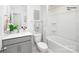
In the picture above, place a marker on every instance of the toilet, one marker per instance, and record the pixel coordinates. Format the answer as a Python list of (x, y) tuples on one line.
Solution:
[(42, 46)]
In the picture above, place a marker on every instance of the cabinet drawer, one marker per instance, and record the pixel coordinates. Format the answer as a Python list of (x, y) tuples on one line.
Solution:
[(16, 40), (25, 47)]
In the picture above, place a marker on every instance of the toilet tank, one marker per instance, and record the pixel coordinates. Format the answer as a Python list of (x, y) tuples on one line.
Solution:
[(37, 37)]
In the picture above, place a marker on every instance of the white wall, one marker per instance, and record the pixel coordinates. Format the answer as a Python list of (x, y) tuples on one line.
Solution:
[(2, 10), (0, 27)]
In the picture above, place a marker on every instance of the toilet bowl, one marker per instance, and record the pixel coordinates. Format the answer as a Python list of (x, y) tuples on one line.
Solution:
[(42, 46)]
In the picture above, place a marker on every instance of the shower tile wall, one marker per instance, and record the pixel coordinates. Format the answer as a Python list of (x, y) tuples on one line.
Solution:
[(63, 29)]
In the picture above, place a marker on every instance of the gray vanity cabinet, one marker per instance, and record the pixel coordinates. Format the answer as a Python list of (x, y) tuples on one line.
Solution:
[(18, 45)]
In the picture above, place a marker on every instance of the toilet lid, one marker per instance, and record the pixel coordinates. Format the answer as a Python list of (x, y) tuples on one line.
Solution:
[(42, 45)]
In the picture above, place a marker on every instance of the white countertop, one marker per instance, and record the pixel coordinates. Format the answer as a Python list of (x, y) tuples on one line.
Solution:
[(15, 35)]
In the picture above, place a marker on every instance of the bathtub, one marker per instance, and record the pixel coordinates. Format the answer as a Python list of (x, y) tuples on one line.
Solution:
[(58, 44)]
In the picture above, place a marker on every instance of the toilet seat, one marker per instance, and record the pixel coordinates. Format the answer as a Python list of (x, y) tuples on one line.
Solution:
[(42, 46)]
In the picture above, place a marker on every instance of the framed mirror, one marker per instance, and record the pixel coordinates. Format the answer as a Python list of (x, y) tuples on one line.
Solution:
[(16, 15)]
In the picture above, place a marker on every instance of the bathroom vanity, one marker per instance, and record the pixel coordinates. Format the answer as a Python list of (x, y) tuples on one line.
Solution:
[(17, 43), (11, 41)]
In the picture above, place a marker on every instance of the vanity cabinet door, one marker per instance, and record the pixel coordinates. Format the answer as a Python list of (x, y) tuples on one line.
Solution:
[(10, 49), (25, 47)]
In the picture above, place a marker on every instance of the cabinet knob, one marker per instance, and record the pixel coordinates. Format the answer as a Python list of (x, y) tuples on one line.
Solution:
[(4, 48)]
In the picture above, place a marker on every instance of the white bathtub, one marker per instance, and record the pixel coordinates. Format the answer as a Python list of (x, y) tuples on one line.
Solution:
[(59, 45)]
